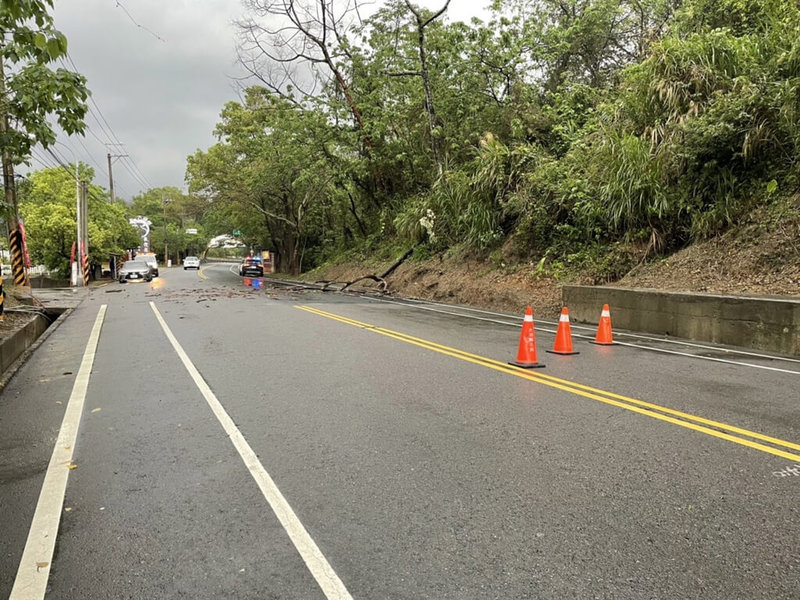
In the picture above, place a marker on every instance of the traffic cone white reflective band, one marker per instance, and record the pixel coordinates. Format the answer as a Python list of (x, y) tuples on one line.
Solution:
[(604, 336), (526, 355), (563, 343)]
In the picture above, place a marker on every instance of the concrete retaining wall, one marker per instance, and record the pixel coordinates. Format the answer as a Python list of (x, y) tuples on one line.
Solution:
[(22, 339), (771, 324), (46, 282)]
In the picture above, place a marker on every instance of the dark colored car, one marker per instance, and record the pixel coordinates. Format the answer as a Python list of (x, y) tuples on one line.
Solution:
[(251, 267), (136, 270)]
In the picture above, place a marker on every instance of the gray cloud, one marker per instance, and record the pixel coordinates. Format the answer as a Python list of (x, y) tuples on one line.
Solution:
[(162, 97)]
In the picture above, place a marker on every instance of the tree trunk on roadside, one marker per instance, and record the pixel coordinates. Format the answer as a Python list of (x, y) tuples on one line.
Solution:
[(8, 163), (426, 78)]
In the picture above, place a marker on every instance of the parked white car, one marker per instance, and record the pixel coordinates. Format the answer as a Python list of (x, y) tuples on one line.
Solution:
[(191, 262)]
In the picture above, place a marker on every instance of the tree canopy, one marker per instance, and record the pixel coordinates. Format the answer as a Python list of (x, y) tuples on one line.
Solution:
[(31, 91), (48, 206), (556, 132)]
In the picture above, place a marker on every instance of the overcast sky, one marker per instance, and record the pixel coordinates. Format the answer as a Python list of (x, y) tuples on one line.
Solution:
[(160, 72)]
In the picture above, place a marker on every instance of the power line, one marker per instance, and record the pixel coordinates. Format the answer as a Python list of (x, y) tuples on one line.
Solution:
[(106, 144), (135, 176), (91, 158), (52, 153), (109, 133), (125, 10), (45, 161), (63, 165)]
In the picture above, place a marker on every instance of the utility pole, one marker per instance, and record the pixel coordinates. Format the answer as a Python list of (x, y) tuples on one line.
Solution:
[(77, 266), (110, 173), (83, 234), (110, 179), (164, 205), (85, 215)]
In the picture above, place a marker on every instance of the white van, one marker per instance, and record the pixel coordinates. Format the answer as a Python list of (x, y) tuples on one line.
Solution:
[(150, 259)]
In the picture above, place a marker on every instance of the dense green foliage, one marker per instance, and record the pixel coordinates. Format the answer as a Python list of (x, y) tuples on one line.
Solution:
[(172, 213), (33, 92), (48, 206), (560, 130)]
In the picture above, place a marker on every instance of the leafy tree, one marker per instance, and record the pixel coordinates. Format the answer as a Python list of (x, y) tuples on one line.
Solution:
[(274, 164), (567, 126), (170, 210), (30, 90), (48, 206)]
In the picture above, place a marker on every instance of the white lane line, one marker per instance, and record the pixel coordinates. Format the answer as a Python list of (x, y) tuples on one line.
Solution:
[(320, 568), (414, 302), (617, 342), (34, 567), (735, 363), (426, 304)]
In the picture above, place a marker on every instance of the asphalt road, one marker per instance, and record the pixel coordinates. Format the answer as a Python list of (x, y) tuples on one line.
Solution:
[(282, 443)]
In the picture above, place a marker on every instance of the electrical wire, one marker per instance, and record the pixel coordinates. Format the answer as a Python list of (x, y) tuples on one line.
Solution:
[(125, 10), (113, 140), (43, 160), (64, 166)]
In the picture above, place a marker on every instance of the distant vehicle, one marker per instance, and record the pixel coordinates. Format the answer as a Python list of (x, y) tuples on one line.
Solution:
[(251, 267), (150, 259), (191, 262), (136, 270)]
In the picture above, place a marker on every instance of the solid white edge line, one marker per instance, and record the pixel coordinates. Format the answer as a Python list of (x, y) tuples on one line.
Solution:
[(317, 564), (426, 304), (37, 557), (735, 363), (619, 343), (679, 342)]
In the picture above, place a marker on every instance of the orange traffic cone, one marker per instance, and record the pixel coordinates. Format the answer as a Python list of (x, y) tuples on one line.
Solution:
[(526, 355), (604, 336), (563, 343)]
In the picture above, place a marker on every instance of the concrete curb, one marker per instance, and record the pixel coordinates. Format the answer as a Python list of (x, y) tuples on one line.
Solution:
[(15, 350), (760, 323)]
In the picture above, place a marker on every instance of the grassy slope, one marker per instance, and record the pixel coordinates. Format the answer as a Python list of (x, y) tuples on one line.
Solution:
[(761, 256)]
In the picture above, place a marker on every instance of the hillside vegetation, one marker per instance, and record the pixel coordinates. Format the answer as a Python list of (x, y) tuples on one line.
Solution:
[(567, 136), (558, 140), (761, 257)]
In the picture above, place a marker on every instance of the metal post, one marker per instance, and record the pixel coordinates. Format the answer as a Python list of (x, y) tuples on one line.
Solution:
[(110, 179), (73, 267), (83, 236), (164, 205)]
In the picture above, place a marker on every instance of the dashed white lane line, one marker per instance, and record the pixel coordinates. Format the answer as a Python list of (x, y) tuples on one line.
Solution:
[(320, 568), (37, 557)]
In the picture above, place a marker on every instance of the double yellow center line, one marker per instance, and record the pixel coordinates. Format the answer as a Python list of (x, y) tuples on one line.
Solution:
[(716, 429)]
